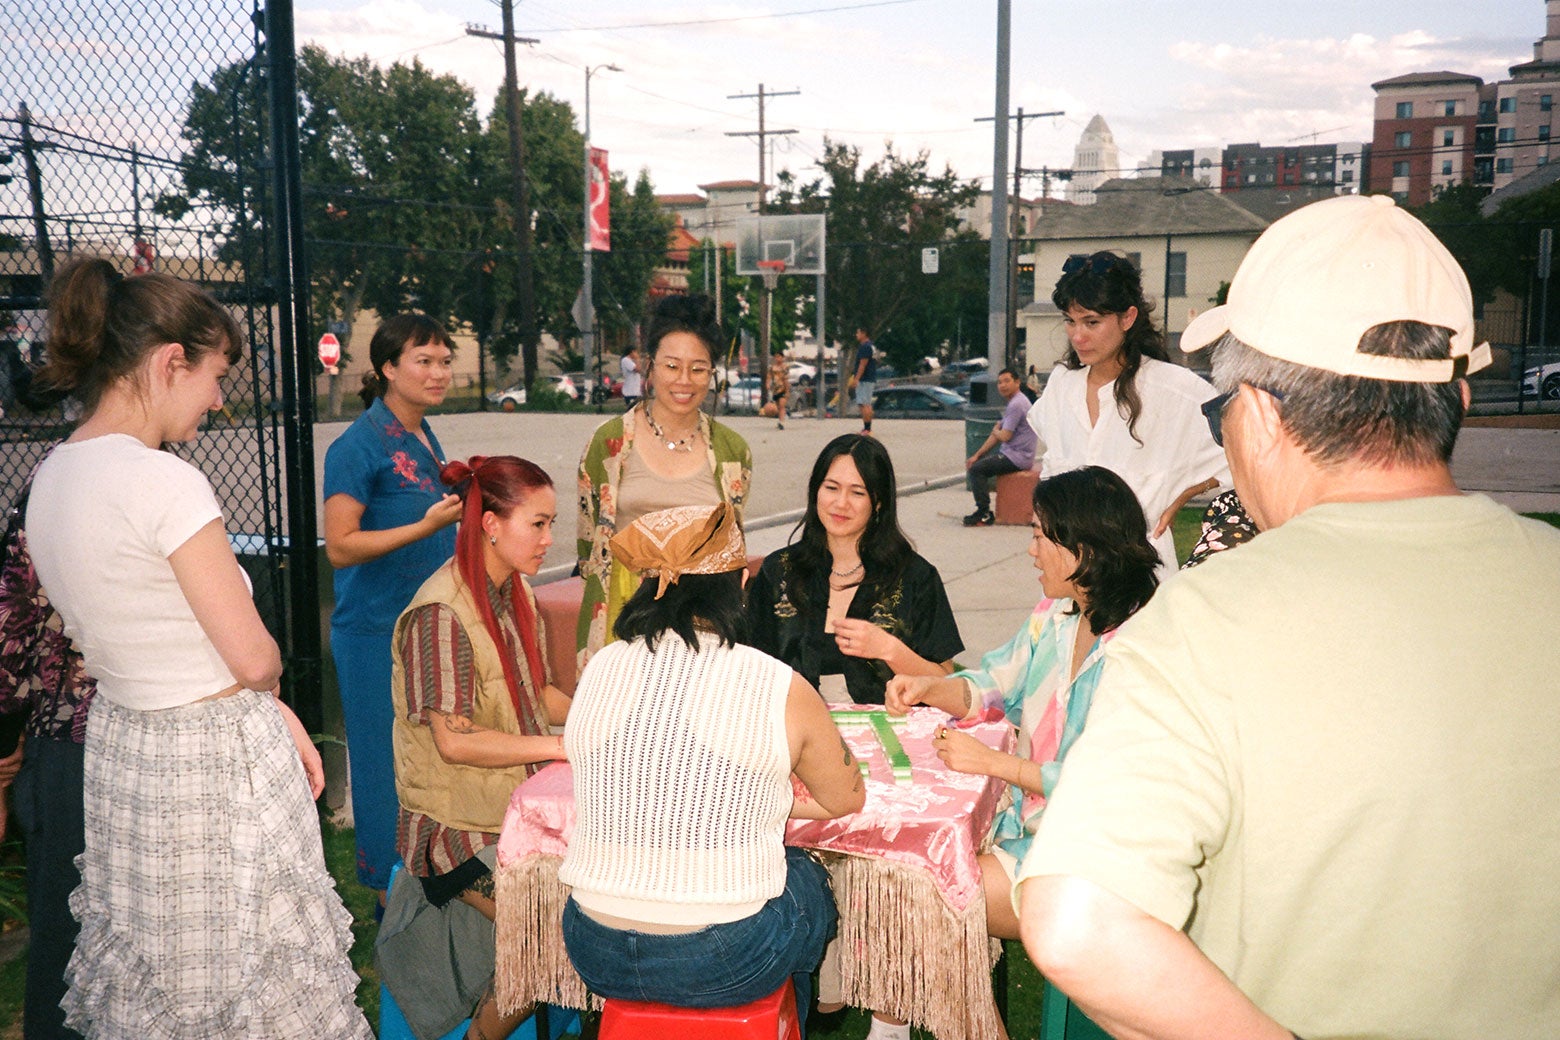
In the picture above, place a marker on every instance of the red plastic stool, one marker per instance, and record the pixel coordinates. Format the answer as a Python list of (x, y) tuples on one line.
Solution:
[(768, 1018)]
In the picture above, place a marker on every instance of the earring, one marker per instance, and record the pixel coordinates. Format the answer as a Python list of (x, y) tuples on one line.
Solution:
[(492, 539)]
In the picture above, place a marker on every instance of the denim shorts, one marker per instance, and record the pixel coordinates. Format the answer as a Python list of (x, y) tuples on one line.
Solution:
[(864, 392), (723, 965)]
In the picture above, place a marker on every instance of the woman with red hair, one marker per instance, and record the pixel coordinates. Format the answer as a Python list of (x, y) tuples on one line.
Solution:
[(474, 707)]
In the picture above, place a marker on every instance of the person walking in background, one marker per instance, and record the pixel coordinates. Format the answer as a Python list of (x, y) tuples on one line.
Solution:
[(1116, 400), (1316, 794), (778, 379), (863, 378), (661, 453), (633, 379), (205, 907), (388, 526), (1010, 448)]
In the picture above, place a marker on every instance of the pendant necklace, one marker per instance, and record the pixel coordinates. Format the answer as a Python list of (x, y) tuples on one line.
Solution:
[(684, 444)]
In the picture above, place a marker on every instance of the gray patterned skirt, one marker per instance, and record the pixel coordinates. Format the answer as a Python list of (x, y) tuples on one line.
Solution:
[(205, 907)]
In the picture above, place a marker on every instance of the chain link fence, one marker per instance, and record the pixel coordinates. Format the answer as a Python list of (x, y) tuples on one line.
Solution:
[(95, 162)]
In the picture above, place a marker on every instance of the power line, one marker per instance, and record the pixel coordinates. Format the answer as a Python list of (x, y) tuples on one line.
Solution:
[(733, 18)]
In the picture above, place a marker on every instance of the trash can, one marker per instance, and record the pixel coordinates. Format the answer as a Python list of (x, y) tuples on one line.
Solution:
[(982, 412)]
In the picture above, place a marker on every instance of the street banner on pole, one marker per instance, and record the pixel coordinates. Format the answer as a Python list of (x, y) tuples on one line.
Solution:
[(600, 194)]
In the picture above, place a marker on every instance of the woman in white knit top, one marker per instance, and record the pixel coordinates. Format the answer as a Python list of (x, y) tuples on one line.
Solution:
[(683, 745)]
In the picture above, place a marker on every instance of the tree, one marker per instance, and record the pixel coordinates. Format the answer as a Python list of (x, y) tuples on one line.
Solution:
[(641, 231), (880, 218), (406, 197), (387, 162), (1483, 251)]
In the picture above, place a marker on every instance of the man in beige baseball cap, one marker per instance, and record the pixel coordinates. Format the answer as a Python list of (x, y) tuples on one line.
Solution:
[(1315, 795)]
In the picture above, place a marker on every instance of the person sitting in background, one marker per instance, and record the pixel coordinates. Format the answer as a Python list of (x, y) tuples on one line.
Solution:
[(850, 603), (1009, 448), (473, 715), (683, 743), (1096, 567)]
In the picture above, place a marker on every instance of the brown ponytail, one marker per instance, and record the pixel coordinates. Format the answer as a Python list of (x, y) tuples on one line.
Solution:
[(102, 325)]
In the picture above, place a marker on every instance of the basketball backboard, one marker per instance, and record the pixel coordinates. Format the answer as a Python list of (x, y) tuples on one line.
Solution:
[(796, 238)]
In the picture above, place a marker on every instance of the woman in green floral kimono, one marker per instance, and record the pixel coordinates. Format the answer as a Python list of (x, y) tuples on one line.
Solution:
[(661, 453)]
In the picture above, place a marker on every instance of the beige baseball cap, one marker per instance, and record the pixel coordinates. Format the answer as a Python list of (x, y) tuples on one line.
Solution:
[(1318, 279)]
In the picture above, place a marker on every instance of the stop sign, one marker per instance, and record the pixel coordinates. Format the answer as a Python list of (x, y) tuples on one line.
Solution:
[(330, 350)]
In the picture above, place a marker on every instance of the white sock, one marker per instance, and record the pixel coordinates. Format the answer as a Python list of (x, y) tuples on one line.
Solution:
[(882, 1030)]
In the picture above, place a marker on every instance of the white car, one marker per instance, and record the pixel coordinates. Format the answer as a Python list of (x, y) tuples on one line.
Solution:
[(510, 398), (803, 373), (743, 395), (1542, 381)]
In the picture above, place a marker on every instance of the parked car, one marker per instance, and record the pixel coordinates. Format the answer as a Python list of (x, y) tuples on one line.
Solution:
[(1542, 381), (917, 402), (802, 373), (956, 372), (509, 398), (743, 395)]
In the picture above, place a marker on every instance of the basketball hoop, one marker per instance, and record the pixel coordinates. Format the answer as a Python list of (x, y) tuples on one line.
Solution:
[(771, 270)]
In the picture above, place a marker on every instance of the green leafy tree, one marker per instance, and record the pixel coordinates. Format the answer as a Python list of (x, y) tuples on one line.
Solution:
[(880, 218), (406, 197), (1482, 249), (641, 231)]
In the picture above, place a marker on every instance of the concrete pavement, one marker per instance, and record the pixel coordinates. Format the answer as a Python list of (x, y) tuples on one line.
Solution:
[(990, 579)]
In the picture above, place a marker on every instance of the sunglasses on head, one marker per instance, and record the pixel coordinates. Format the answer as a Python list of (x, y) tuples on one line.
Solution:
[(1099, 264), (1213, 410)]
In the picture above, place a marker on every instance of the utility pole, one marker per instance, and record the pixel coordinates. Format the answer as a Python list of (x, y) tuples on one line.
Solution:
[(30, 148), (761, 133), (996, 272), (766, 301), (520, 193), (1009, 335)]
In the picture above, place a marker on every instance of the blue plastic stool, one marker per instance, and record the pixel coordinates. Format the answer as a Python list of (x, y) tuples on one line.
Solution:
[(393, 1025)]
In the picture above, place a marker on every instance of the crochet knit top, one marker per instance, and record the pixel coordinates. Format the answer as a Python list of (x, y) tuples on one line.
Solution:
[(681, 781)]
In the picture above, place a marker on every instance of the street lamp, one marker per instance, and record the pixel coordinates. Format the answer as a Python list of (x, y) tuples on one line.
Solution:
[(588, 306)]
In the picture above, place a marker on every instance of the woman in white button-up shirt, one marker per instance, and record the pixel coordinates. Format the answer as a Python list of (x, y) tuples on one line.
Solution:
[(1117, 401)]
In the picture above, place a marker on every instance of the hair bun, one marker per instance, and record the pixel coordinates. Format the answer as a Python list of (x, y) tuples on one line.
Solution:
[(695, 309)]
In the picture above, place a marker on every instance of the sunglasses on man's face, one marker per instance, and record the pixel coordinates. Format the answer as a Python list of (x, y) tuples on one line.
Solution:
[(1213, 410), (1099, 264)]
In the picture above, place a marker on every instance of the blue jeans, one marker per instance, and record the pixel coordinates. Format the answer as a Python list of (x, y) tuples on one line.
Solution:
[(724, 965), (363, 675)]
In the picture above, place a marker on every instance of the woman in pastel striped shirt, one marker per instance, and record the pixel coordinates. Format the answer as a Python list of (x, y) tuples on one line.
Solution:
[(1096, 568)]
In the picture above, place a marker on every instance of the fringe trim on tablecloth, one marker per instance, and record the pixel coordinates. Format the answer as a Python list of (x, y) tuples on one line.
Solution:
[(531, 965), (901, 942)]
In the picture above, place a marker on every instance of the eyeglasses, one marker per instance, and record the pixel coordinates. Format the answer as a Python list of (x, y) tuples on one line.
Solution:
[(674, 369), (1213, 410), (1098, 264)]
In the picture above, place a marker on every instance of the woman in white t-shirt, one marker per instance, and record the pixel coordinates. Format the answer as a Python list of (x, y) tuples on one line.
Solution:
[(205, 907), (1117, 401)]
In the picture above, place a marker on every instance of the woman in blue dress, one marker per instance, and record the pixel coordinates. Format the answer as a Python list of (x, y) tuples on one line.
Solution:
[(388, 526)]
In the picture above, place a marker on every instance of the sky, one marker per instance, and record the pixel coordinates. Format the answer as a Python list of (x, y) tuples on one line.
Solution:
[(919, 73)]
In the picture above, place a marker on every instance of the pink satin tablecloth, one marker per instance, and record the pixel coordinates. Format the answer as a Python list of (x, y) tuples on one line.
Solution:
[(905, 879)]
